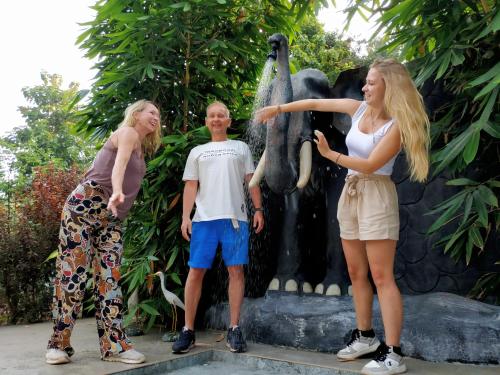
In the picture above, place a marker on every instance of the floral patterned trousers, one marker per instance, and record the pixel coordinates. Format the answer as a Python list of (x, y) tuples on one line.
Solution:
[(89, 237)]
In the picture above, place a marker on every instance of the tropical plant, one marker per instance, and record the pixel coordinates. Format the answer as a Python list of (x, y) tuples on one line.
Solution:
[(180, 54), (152, 234), (457, 43)]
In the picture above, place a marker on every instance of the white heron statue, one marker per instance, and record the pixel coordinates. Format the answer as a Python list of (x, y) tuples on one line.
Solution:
[(172, 299)]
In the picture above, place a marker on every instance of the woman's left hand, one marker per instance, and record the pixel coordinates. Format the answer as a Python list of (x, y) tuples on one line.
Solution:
[(322, 143), (115, 200)]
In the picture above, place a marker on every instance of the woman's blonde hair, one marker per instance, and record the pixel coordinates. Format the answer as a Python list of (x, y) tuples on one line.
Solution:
[(405, 105), (152, 141)]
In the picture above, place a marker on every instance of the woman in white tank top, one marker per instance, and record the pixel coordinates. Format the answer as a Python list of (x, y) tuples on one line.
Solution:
[(391, 117)]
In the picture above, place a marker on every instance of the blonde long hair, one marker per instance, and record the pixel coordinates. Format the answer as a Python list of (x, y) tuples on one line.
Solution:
[(152, 141), (405, 105)]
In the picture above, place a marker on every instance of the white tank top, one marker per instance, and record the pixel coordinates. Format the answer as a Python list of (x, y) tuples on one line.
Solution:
[(360, 145)]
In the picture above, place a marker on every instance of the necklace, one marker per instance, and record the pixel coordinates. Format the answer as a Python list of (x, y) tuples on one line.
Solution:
[(373, 126)]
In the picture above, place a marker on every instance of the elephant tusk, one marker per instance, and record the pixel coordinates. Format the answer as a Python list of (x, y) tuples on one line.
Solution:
[(259, 172), (305, 164)]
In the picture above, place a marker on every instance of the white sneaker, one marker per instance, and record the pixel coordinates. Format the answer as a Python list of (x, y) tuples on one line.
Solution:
[(357, 346), (56, 357), (386, 362), (131, 356)]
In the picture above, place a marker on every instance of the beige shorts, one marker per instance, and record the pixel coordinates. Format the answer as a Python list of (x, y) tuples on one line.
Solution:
[(368, 208)]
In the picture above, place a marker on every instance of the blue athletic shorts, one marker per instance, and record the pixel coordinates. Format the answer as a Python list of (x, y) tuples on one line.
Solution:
[(207, 235)]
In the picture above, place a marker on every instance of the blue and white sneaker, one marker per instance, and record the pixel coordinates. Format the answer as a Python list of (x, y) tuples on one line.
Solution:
[(185, 341)]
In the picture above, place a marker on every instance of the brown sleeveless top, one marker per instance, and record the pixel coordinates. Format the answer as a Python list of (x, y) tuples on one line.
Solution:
[(101, 170)]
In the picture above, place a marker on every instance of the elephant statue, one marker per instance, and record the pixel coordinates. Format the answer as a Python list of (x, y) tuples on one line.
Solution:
[(296, 174)]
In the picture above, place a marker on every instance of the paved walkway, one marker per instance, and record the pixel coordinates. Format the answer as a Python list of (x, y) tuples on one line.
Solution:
[(22, 351)]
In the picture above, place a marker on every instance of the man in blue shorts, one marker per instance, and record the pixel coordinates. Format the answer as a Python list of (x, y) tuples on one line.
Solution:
[(214, 177)]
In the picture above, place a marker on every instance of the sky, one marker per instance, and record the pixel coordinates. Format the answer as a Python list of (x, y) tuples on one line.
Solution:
[(40, 35)]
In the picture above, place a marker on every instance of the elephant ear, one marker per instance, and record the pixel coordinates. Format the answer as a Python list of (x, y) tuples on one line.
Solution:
[(349, 84)]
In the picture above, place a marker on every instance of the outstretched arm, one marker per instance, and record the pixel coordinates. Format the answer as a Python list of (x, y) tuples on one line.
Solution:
[(348, 106), (188, 198), (385, 150), (126, 140), (255, 195)]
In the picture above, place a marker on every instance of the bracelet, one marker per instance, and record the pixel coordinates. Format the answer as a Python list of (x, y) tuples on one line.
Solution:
[(258, 209), (278, 108), (338, 158)]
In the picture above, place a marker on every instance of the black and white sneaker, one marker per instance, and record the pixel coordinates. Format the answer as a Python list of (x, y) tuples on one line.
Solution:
[(235, 341), (386, 362), (357, 346), (185, 341)]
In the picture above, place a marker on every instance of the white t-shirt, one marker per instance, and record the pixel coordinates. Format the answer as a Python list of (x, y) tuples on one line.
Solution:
[(361, 145), (220, 169)]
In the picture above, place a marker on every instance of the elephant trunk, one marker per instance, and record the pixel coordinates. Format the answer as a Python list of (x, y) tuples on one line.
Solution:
[(281, 175)]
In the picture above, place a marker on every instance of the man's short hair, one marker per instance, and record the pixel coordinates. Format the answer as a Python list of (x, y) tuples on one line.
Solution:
[(219, 104)]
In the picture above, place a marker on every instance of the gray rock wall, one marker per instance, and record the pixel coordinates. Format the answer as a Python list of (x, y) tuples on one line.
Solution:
[(437, 327)]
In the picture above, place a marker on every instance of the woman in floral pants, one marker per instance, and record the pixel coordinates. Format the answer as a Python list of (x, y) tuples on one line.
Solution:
[(91, 237)]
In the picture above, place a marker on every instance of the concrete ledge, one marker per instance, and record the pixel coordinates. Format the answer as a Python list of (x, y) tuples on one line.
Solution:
[(22, 351)]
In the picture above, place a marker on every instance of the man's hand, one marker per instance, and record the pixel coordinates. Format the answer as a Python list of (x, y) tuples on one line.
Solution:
[(115, 200), (186, 228), (258, 221)]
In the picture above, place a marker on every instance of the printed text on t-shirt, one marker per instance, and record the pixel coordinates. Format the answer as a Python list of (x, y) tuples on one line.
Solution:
[(217, 153)]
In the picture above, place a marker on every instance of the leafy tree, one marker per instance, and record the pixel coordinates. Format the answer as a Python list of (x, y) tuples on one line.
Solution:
[(326, 51), (312, 47), (41, 163), (457, 43), (48, 135), (181, 54)]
